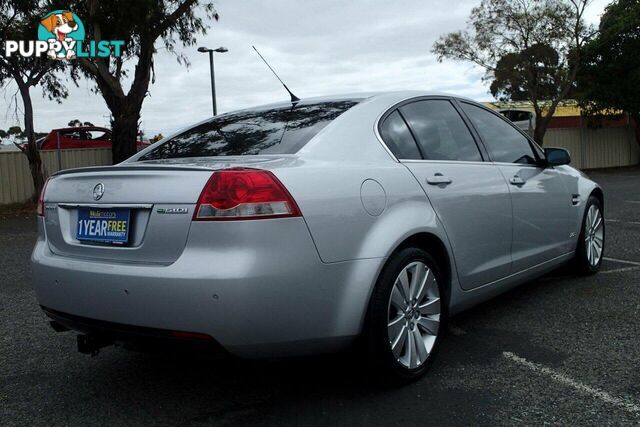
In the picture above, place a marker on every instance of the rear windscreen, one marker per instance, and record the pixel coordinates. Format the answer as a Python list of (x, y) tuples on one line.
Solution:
[(274, 131)]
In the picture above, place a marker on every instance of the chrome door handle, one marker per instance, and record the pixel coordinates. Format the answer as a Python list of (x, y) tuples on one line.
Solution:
[(516, 180), (438, 179)]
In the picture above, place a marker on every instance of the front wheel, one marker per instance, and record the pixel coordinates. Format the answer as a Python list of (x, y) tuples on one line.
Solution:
[(406, 315), (590, 250)]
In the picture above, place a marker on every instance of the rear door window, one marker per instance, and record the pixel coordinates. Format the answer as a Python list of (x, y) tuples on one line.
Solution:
[(504, 142), (282, 130), (398, 138), (440, 131)]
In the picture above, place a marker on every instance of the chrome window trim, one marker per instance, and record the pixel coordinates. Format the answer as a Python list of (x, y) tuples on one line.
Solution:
[(518, 164), (463, 162)]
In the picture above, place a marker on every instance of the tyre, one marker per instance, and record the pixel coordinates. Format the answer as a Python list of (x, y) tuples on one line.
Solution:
[(406, 316), (590, 250)]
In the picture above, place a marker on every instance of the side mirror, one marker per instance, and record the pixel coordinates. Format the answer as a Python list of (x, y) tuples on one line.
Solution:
[(557, 156)]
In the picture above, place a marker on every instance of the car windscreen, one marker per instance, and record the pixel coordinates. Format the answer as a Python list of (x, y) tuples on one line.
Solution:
[(282, 130)]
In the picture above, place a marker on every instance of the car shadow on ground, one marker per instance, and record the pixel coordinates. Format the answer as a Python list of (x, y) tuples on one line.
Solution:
[(291, 391)]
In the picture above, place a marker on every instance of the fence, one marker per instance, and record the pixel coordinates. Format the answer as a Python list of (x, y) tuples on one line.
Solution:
[(596, 148), (589, 148), (16, 184)]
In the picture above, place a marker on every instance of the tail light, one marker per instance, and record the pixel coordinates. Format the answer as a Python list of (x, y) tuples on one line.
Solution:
[(237, 194), (40, 208)]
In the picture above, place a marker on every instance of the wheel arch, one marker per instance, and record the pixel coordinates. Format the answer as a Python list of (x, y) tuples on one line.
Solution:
[(598, 194), (436, 247)]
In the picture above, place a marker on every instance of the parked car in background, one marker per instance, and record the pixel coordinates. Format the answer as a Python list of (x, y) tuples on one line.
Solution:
[(525, 120), (81, 137), (295, 228)]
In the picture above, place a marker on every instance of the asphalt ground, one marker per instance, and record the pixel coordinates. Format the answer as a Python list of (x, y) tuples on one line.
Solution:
[(561, 350)]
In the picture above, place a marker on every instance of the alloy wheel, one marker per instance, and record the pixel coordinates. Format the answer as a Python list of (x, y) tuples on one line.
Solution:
[(594, 235), (413, 315)]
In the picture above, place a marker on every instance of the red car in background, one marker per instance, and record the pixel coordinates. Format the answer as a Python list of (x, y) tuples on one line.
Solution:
[(80, 137)]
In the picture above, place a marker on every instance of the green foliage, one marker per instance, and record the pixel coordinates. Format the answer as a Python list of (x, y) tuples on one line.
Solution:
[(78, 123), (530, 50), (513, 72), (141, 24), (156, 138), (14, 130), (610, 76), (3, 133)]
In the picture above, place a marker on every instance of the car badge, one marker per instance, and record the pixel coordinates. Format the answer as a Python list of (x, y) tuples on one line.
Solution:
[(98, 191)]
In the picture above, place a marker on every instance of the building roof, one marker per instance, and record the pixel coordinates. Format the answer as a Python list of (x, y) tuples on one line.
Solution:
[(568, 108)]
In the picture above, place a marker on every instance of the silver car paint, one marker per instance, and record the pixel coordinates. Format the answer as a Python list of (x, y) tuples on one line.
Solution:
[(294, 285), (477, 220)]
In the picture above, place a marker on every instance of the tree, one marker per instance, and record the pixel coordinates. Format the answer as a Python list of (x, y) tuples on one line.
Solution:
[(19, 20), (14, 130), (530, 50), (3, 133), (156, 138), (140, 24), (78, 123), (609, 81)]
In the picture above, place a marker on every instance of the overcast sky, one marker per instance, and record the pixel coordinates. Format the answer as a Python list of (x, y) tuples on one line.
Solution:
[(318, 47)]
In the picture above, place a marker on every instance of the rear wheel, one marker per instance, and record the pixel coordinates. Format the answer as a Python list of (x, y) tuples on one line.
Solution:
[(590, 250), (406, 315)]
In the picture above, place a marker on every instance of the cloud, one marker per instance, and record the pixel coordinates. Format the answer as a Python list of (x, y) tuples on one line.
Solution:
[(318, 48)]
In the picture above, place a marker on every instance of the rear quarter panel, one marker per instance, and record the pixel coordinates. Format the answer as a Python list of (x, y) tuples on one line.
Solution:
[(329, 196)]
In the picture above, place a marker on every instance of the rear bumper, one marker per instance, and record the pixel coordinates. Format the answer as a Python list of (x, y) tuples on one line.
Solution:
[(268, 295)]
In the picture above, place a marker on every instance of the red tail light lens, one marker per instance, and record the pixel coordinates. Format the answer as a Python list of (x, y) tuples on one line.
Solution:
[(235, 194), (40, 208)]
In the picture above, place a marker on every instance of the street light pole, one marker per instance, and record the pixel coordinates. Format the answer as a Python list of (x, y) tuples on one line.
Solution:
[(213, 78), (213, 84)]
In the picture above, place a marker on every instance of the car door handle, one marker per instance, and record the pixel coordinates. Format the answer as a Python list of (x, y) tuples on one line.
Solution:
[(438, 179), (516, 180)]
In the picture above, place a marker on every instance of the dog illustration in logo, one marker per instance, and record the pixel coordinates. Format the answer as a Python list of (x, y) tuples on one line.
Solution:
[(61, 25)]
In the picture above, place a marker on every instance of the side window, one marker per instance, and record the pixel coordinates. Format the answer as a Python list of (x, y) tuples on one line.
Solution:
[(396, 135), (440, 131), (71, 134), (503, 142), (97, 135)]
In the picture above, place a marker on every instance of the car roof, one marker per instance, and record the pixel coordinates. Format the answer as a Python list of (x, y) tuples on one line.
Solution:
[(82, 128), (392, 96)]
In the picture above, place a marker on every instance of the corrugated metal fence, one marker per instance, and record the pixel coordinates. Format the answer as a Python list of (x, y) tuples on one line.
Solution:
[(16, 184), (589, 148), (596, 148)]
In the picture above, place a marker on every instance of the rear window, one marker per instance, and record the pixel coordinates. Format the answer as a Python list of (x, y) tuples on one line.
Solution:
[(275, 131)]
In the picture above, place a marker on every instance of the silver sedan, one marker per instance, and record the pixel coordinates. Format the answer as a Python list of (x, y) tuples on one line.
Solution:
[(292, 229)]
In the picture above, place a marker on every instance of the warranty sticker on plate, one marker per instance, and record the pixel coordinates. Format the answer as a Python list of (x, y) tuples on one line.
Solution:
[(103, 225)]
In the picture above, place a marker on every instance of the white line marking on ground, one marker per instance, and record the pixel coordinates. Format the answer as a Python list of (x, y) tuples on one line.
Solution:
[(619, 270), (622, 261), (632, 201), (623, 403), (612, 220)]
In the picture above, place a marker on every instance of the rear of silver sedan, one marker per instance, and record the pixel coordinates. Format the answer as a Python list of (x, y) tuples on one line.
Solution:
[(203, 248), (254, 284)]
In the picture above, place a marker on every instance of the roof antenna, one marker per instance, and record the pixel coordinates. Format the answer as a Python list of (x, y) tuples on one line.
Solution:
[(294, 99)]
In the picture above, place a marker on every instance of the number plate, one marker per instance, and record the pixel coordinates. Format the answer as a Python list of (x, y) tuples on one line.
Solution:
[(103, 225)]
